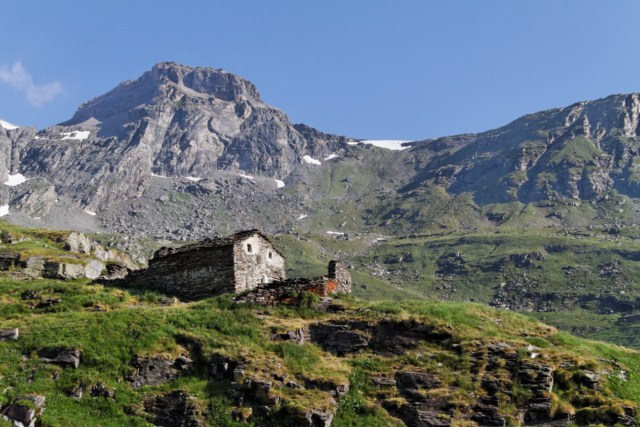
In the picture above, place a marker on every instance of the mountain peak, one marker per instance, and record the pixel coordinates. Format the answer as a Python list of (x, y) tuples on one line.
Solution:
[(204, 80), (165, 79)]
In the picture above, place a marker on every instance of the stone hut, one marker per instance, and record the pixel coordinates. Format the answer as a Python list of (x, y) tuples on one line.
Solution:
[(232, 264)]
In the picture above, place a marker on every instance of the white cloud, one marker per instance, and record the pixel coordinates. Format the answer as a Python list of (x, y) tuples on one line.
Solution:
[(19, 78)]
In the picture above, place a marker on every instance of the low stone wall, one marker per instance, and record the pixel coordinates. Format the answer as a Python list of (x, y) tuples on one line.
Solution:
[(291, 291), (288, 291)]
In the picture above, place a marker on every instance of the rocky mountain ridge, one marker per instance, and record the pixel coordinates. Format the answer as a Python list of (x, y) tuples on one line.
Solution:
[(182, 151), (578, 152)]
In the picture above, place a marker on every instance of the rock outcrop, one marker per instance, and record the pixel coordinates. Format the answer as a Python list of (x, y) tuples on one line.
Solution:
[(156, 370), (24, 411), (63, 356), (9, 334), (174, 409)]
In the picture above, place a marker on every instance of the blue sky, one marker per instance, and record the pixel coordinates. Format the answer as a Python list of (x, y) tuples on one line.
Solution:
[(363, 68)]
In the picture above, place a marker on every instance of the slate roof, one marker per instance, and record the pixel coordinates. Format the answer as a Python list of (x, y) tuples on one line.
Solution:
[(214, 242)]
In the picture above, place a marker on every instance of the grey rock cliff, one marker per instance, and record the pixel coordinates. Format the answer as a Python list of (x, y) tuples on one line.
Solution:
[(174, 121)]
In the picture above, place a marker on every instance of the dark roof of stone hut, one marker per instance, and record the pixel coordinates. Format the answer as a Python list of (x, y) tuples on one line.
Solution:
[(214, 242)]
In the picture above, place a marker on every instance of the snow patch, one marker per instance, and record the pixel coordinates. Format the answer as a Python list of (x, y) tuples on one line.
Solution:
[(389, 144), (4, 210), (88, 212), (303, 216), (78, 135), (311, 160), (192, 178), (158, 176), (331, 156), (279, 183), (14, 180), (335, 233), (37, 138), (7, 125), (246, 176)]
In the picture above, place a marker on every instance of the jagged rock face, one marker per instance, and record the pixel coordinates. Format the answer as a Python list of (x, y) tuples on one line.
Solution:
[(12, 142), (125, 154), (581, 151), (173, 121)]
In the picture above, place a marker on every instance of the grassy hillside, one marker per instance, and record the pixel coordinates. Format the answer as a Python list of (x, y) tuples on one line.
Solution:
[(129, 323), (443, 353), (581, 281)]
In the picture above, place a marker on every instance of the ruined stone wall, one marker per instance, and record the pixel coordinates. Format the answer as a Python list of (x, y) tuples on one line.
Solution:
[(261, 264), (339, 271), (194, 274), (287, 291)]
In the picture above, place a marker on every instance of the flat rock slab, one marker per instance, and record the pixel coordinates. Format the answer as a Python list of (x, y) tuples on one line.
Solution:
[(62, 356), (9, 334)]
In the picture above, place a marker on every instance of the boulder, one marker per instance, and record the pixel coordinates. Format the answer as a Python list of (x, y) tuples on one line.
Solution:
[(49, 302), (318, 418), (34, 266), (590, 379), (93, 269), (298, 336), (9, 260), (25, 410), (114, 272), (62, 356), (78, 243), (100, 390), (76, 392), (9, 334), (61, 270)]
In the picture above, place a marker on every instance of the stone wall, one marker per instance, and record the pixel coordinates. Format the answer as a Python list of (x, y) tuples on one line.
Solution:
[(339, 271), (288, 291), (256, 262), (291, 291), (200, 272)]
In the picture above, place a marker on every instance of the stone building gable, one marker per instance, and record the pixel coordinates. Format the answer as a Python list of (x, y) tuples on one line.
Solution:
[(256, 261), (214, 242)]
